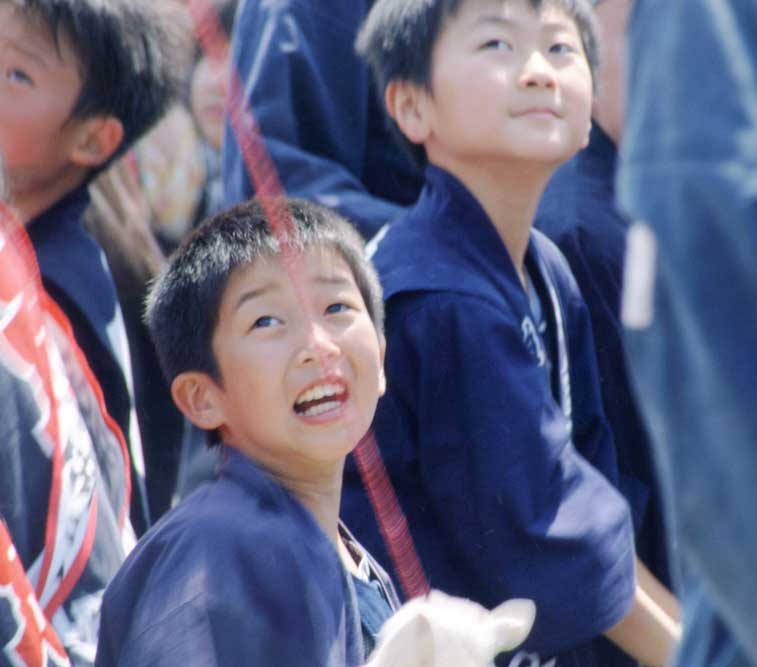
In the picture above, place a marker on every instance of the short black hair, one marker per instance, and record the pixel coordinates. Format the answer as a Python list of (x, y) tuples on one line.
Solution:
[(132, 56), (398, 37), (183, 304)]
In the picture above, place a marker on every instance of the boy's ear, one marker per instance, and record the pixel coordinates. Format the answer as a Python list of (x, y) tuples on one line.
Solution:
[(96, 141), (197, 395), (407, 104)]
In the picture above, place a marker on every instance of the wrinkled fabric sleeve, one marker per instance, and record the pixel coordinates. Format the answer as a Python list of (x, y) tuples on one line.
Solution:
[(521, 513), (309, 92), (690, 171), (208, 631), (598, 400), (591, 432)]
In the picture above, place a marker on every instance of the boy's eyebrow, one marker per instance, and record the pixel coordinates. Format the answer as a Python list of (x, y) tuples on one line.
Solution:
[(30, 53), (253, 294), (338, 281), (554, 26), (488, 19)]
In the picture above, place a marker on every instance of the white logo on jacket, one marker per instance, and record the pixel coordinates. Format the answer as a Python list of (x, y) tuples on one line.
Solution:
[(533, 341)]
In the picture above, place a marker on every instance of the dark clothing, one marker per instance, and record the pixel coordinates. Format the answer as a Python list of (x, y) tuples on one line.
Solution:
[(76, 274), (64, 476), (501, 469), (689, 170), (239, 573), (579, 213), (317, 108), (376, 597)]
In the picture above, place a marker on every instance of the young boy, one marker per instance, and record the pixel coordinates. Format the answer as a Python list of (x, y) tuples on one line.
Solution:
[(492, 428), (81, 80), (279, 353)]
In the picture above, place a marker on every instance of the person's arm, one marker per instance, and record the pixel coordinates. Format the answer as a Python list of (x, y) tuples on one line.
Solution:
[(311, 96), (651, 628), (649, 632), (661, 595)]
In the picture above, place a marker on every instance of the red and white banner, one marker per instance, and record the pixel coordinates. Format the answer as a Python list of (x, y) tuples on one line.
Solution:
[(59, 444)]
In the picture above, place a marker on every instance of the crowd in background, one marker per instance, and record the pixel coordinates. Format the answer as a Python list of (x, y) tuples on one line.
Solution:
[(89, 422)]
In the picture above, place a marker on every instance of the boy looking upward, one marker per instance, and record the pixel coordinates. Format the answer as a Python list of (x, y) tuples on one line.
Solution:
[(254, 567), (81, 81), (492, 427)]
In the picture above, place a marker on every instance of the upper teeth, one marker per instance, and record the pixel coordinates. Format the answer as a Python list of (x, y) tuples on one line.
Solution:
[(320, 391)]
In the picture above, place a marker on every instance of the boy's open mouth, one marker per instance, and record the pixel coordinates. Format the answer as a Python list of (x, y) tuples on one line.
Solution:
[(320, 398)]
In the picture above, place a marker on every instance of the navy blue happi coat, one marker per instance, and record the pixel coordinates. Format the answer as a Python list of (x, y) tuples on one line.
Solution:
[(492, 428)]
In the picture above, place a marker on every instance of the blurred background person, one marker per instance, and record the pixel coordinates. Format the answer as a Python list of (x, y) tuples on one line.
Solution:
[(688, 170), (320, 116)]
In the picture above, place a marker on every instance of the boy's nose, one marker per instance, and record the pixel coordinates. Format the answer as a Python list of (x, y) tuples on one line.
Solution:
[(317, 347), (537, 71)]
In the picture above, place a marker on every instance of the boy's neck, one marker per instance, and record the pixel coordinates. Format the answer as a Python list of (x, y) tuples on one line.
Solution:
[(320, 492), (509, 194), (29, 203)]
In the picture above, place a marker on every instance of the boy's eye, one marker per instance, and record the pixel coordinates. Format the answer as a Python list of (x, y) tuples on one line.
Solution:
[(497, 45), (18, 76), (265, 322), (337, 308), (562, 48)]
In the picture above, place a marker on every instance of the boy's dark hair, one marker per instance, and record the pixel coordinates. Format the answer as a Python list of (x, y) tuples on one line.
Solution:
[(183, 303), (398, 37), (132, 56)]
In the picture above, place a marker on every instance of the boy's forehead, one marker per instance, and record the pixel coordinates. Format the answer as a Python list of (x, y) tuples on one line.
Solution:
[(545, 8), (28, 31), (317, 264)]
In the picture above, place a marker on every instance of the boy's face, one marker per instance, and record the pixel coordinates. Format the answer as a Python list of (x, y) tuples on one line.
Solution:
[(507, 84), (208, 97), (39, 85), (299, 386)]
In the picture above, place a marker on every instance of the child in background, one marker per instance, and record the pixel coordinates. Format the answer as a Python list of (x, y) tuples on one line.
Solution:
[(321, 120), (492, 427), (82, 80), (179, 162), (207, 102), (254, 567)]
